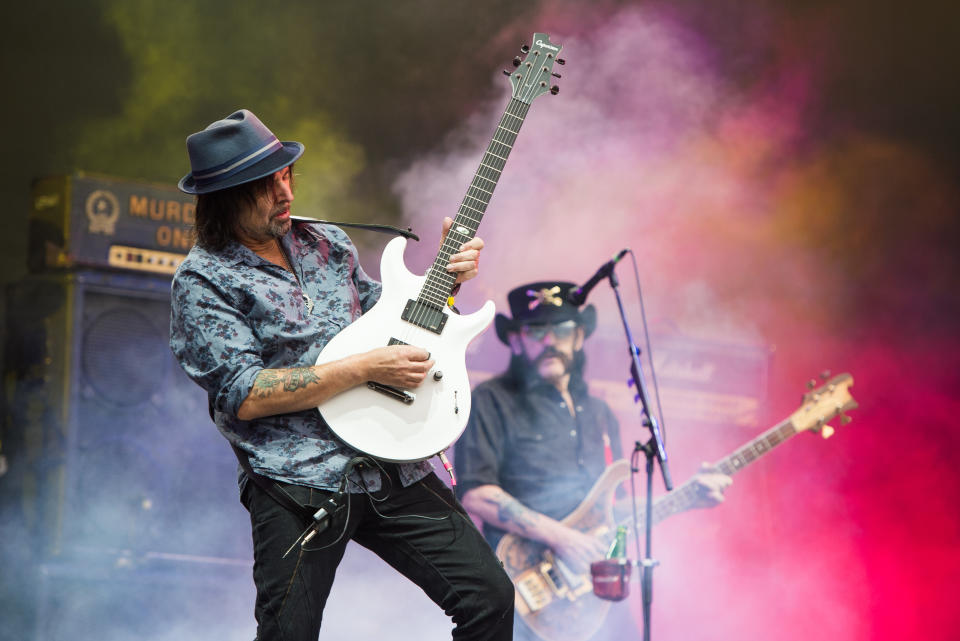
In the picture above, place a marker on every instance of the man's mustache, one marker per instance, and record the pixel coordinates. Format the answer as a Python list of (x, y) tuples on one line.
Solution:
[(551, 352)]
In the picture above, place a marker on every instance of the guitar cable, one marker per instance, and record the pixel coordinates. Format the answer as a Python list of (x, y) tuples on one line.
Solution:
[(337, 500), (389, 483), (333, 503)]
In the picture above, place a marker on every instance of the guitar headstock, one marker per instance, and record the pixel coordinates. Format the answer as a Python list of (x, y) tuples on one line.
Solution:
[(824, 403), (532, 75)]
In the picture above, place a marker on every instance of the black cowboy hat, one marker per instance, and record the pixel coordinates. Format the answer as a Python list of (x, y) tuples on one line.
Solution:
[(233, 151), (540, 303)]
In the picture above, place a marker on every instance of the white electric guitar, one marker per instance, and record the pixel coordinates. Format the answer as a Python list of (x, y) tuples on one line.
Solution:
[(402, 425)]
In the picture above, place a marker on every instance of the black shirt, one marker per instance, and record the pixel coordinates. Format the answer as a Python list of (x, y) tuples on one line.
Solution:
[(523, 439)]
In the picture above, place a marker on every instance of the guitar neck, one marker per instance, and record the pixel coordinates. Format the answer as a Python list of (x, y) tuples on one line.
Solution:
[(439, 281), (686, 496)]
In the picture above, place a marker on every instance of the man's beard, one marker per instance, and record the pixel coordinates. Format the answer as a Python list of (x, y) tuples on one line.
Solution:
[(278, 228), (522, 372)]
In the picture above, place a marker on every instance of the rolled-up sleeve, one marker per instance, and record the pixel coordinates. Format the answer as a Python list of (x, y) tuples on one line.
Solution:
[(213, 341)]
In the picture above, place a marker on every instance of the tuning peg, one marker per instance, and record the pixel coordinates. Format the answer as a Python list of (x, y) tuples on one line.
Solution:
[(811, 383), (506, 72), (525, 48), (556, 75), (554, 90), (825, 374), (561, 61), (826, 431), (516, 61), (844, 419)]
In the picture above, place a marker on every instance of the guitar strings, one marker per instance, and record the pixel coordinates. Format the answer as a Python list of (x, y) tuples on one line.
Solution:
[(490, 171)]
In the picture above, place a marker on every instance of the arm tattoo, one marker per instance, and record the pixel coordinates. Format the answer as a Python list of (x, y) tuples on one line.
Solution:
[(290, 380), (298, 378), (510, 510)]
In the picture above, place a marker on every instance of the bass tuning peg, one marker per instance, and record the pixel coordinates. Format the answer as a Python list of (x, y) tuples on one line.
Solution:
[(554, 90)]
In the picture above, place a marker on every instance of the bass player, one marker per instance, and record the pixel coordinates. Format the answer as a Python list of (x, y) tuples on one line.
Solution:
[(537, 441)]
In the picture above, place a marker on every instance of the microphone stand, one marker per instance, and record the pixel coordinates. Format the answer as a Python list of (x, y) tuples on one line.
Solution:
[(652, 449)]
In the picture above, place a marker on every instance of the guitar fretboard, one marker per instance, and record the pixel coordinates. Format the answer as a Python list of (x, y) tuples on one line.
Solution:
[(439, 282), (686, 496)]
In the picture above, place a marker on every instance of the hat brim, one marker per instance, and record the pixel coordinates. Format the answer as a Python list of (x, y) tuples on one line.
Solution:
[(276, 161), (586, 318), (504, 326)]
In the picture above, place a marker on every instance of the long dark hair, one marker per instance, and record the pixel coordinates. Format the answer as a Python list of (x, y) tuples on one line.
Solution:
[(217, 211)]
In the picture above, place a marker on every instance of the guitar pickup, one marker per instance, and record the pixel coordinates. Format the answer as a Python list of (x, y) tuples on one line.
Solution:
[(393, 392), (534, 592), (425, 315), (552, 575)]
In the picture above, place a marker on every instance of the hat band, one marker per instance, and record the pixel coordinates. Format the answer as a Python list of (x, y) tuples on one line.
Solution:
[(236, 165)]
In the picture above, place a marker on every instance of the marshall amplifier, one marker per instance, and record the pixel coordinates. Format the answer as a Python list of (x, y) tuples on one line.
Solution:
[(86, 220), (115, 448)]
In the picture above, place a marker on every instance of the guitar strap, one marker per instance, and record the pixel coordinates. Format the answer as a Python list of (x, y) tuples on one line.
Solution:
[(272, 488), (385, 229), (607, 449)]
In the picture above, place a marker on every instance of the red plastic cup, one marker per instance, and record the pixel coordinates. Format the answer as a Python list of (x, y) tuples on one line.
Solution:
[(611, 578)]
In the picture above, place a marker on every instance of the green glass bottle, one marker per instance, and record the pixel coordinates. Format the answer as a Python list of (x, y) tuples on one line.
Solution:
[(618, 548)]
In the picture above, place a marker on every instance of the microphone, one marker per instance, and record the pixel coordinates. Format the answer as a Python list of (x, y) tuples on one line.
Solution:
[(579, 295)]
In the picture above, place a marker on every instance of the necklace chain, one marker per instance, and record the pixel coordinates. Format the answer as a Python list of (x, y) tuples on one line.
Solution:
[(286, 261)]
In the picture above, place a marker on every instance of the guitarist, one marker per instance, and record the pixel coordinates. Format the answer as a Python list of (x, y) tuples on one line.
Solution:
[(536, 441), (253, 303)]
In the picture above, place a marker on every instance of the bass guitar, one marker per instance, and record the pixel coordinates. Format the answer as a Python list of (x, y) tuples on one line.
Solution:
[(557, 603)]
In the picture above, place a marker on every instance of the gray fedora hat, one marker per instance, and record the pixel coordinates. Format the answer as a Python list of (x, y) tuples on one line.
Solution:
[(234, 151)]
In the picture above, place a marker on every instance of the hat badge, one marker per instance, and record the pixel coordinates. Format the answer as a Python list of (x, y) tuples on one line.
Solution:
[(546, 296)]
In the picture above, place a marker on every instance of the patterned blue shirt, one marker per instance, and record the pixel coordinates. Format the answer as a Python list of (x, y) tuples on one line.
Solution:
[(235, 314)]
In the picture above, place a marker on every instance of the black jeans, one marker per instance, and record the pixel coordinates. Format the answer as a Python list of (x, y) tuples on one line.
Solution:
[(447, 558)]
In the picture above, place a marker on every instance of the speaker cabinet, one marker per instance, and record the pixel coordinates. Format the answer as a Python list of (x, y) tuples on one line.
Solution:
[(117, 449)]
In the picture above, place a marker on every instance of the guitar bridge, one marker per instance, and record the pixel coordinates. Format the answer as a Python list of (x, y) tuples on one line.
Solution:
[(393, 392)]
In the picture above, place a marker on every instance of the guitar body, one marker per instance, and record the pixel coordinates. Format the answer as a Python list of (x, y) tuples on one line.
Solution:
[(403, 425), (376, 422), (552, 600)]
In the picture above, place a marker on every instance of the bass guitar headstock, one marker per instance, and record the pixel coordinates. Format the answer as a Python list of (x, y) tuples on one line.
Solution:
[(532, 75), (824, 403)]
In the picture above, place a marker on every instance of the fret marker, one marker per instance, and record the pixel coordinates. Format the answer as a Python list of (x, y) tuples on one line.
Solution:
[(463, 230)]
